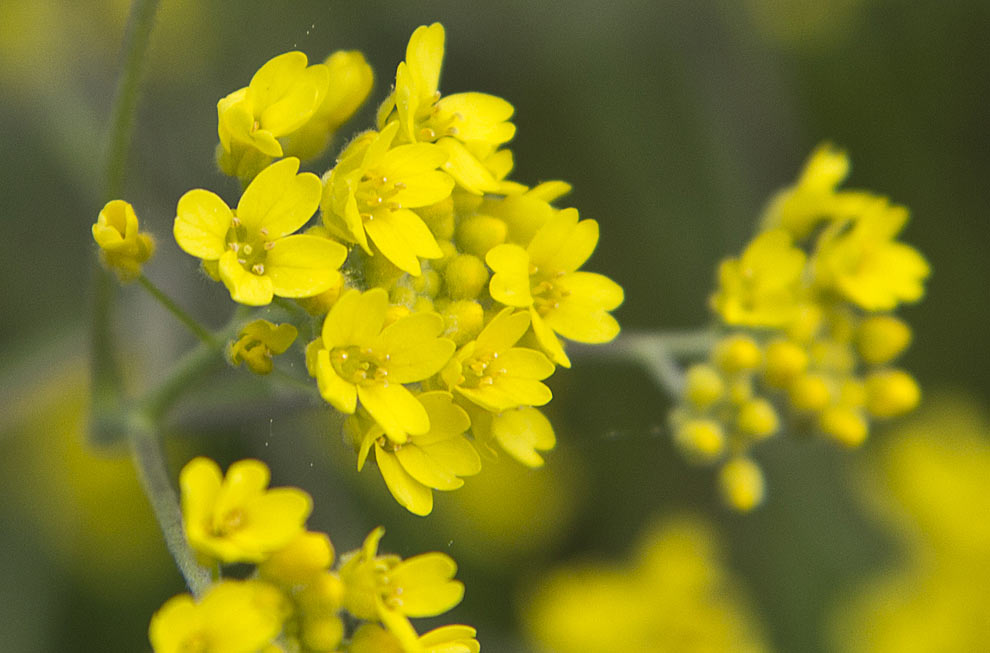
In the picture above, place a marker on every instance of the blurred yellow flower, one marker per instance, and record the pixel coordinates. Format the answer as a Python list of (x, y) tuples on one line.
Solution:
[(675, 596), (235, 518), (233, 617)]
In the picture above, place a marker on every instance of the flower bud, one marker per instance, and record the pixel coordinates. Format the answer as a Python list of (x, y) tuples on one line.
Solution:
[(123, 248), (741, 484), (757, 419), (480, 233), (462, 320), (701, 440), (844, 425), (737, 353), (890, 393), (783, 361), (882, 338), (809, 393), (466, 276), (703, 386)]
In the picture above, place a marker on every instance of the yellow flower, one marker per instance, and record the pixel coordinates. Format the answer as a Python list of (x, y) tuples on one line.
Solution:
[(493, 373), (234, 518), (761, 288), (359, 358), (370, 192), (300, 561), (372, 638), (233, 617), (258, 341), (467, 126), (435, 459), (123, 247), (544, 278), (390, 589), (251, 249), (813, 198), (861, 261), (521, 432), (350, 82), (283, 95)]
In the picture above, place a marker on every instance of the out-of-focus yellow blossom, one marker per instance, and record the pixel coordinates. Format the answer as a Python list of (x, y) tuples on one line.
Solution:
[(360, 358), (761, 288), (123, 247), (371, 638), (741, 483), (813, 199), (283, 95), (496, 375), (675, 596), (521, 432), (469, 127), (434, 460), (390, 589), (233, 617), (258, 342), (350, 83), (235, 518), (544, 278), (372, 189), (862, 261), (930, 485), (299, 561), (251, 250), (890, 393)]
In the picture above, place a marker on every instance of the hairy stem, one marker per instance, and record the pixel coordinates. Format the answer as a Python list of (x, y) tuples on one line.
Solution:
[(198, 330), (149, 459)]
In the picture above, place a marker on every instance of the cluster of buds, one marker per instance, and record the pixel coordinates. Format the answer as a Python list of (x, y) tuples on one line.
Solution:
[(809, 336)]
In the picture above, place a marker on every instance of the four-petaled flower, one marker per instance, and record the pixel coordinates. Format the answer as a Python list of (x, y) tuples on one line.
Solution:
[(251, 250)]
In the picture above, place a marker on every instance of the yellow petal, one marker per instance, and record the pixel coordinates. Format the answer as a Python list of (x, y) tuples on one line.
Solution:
[(338, 392), (504, 330), (279, 201), (424, 56), (426, 470), (402, 236), (466, 169), (522, 432), (510, 283), (410, 493), (481, 117), (426, 588), (201, 224), (356, 318), (413, 348), (455, 454), (303, 266), (245, 287), (581, 314), (563, 244), (395, 409), (548, 340)]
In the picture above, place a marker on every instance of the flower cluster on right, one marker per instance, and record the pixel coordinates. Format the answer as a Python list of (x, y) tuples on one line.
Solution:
[(809, 338)]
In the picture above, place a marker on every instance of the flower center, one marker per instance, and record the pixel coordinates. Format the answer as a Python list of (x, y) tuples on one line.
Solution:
[(196, 643), (546, 294), (375, 192), (360, 366), (481, 371), (251, 249), (231, 522)]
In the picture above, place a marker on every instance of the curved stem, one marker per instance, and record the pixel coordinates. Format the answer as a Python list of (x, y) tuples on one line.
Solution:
[(149, 459), (199, 330)]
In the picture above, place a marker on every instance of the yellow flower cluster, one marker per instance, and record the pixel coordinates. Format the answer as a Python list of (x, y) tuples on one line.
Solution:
[(295, 597), (441, 291), (809, 334), (677, 595)]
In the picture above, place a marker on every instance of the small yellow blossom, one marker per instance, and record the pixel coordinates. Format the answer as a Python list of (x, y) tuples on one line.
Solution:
[(233, 617), (369, 194), (801, 207), (234, 518), (372, 638), (761, 288), (520, 432), (350, 81), (390, 589), (283, 95), (469, 127), (251, 250), (862, 261), (359, 358), (434, 460), (123, 247), (258, 342), (496, 375), (544, 278)]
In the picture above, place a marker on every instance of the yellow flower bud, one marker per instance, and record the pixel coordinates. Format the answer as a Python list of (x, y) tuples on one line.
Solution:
[(480, 233), (757, 419), (701, 440), (809, 393), (323, 634), (890, 393), (703, 385), (466, 276), (403, 295), (741, 484), (806, 324), (737, 353), (462, 321), (258, 342), (881, 338), (833, 355), (852, 393), (844, 425), (439, 218), (783, 361), (741, 390), (428, 283), (123, 248)]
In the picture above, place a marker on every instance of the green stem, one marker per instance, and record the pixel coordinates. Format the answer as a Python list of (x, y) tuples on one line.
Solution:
[(195, 365), (149, 459), (136, 37), (199, 330)]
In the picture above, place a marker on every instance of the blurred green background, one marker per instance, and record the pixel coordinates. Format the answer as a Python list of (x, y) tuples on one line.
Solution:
[(675, 121)]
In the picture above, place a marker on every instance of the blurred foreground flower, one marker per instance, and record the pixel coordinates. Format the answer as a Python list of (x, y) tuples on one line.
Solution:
[(675, 596)]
